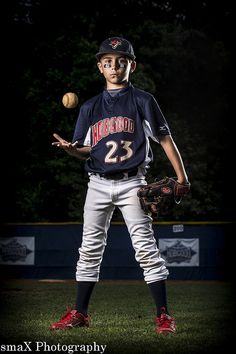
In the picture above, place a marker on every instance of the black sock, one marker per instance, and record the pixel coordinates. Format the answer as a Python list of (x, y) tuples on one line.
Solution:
[(158, 290), (84, 292)]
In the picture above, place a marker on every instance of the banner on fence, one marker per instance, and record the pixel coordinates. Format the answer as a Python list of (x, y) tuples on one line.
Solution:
[(17, 250), (180, 252)]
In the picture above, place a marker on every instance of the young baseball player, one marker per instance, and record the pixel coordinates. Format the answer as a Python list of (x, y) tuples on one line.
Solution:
[(112, 135)]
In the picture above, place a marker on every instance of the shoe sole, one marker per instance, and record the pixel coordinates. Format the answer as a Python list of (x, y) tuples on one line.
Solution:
[(68, 327), (165, 333)]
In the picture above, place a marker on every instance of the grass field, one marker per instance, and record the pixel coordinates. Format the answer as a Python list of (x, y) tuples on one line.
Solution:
[(122, 317)]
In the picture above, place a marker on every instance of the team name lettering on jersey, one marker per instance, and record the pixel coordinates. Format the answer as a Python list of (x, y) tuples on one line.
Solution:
[(111, 125)]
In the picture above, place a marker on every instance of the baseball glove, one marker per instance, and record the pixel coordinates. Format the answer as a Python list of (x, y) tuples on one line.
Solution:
[(161, 196)]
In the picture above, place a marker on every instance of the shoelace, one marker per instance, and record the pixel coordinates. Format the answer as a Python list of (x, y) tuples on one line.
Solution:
[(164, 320)]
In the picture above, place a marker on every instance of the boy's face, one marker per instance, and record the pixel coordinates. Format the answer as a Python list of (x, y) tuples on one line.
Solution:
[(116, 69)]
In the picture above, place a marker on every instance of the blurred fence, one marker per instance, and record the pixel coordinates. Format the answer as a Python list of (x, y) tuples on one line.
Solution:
[(193, 250)]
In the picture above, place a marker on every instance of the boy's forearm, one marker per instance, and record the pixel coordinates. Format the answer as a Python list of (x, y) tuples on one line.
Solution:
[(82, 153), (174, 157)]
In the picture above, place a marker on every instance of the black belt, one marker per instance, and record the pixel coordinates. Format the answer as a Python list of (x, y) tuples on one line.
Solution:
[(117, 175)]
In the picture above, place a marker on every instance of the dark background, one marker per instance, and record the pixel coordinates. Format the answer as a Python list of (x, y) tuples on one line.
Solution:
[(183, 51)]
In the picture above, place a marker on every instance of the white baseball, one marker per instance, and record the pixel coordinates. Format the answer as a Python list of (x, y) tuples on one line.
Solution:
[(70, 100)]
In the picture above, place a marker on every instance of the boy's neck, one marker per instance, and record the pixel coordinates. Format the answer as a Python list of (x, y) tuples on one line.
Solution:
[(110, 86)]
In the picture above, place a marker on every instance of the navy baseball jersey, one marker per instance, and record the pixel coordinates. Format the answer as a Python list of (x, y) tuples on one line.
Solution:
[(118, 129)]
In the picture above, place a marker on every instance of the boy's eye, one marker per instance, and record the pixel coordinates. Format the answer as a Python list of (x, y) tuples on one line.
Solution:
[(120, 65)]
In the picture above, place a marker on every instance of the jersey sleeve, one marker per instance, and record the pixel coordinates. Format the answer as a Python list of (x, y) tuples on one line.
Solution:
[(154, 123), (82, 128)]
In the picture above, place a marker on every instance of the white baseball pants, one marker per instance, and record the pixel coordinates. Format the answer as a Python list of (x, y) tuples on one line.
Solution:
[(103, 196)]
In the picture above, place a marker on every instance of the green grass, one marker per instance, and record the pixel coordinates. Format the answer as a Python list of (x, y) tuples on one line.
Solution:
[(122, 316)]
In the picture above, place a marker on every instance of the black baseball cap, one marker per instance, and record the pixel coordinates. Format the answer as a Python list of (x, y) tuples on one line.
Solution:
[(116, 45)]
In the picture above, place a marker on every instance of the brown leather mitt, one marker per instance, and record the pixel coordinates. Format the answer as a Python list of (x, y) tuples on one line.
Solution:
[(161, 196)]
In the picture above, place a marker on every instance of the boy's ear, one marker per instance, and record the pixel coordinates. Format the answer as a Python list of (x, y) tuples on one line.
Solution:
[(133, 66), (99, 65)]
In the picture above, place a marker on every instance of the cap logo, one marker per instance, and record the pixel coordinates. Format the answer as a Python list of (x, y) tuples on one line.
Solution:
[(115, 43)]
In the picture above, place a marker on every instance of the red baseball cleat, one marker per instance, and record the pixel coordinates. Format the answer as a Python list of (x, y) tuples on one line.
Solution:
[(71, 319), (165, 324)]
